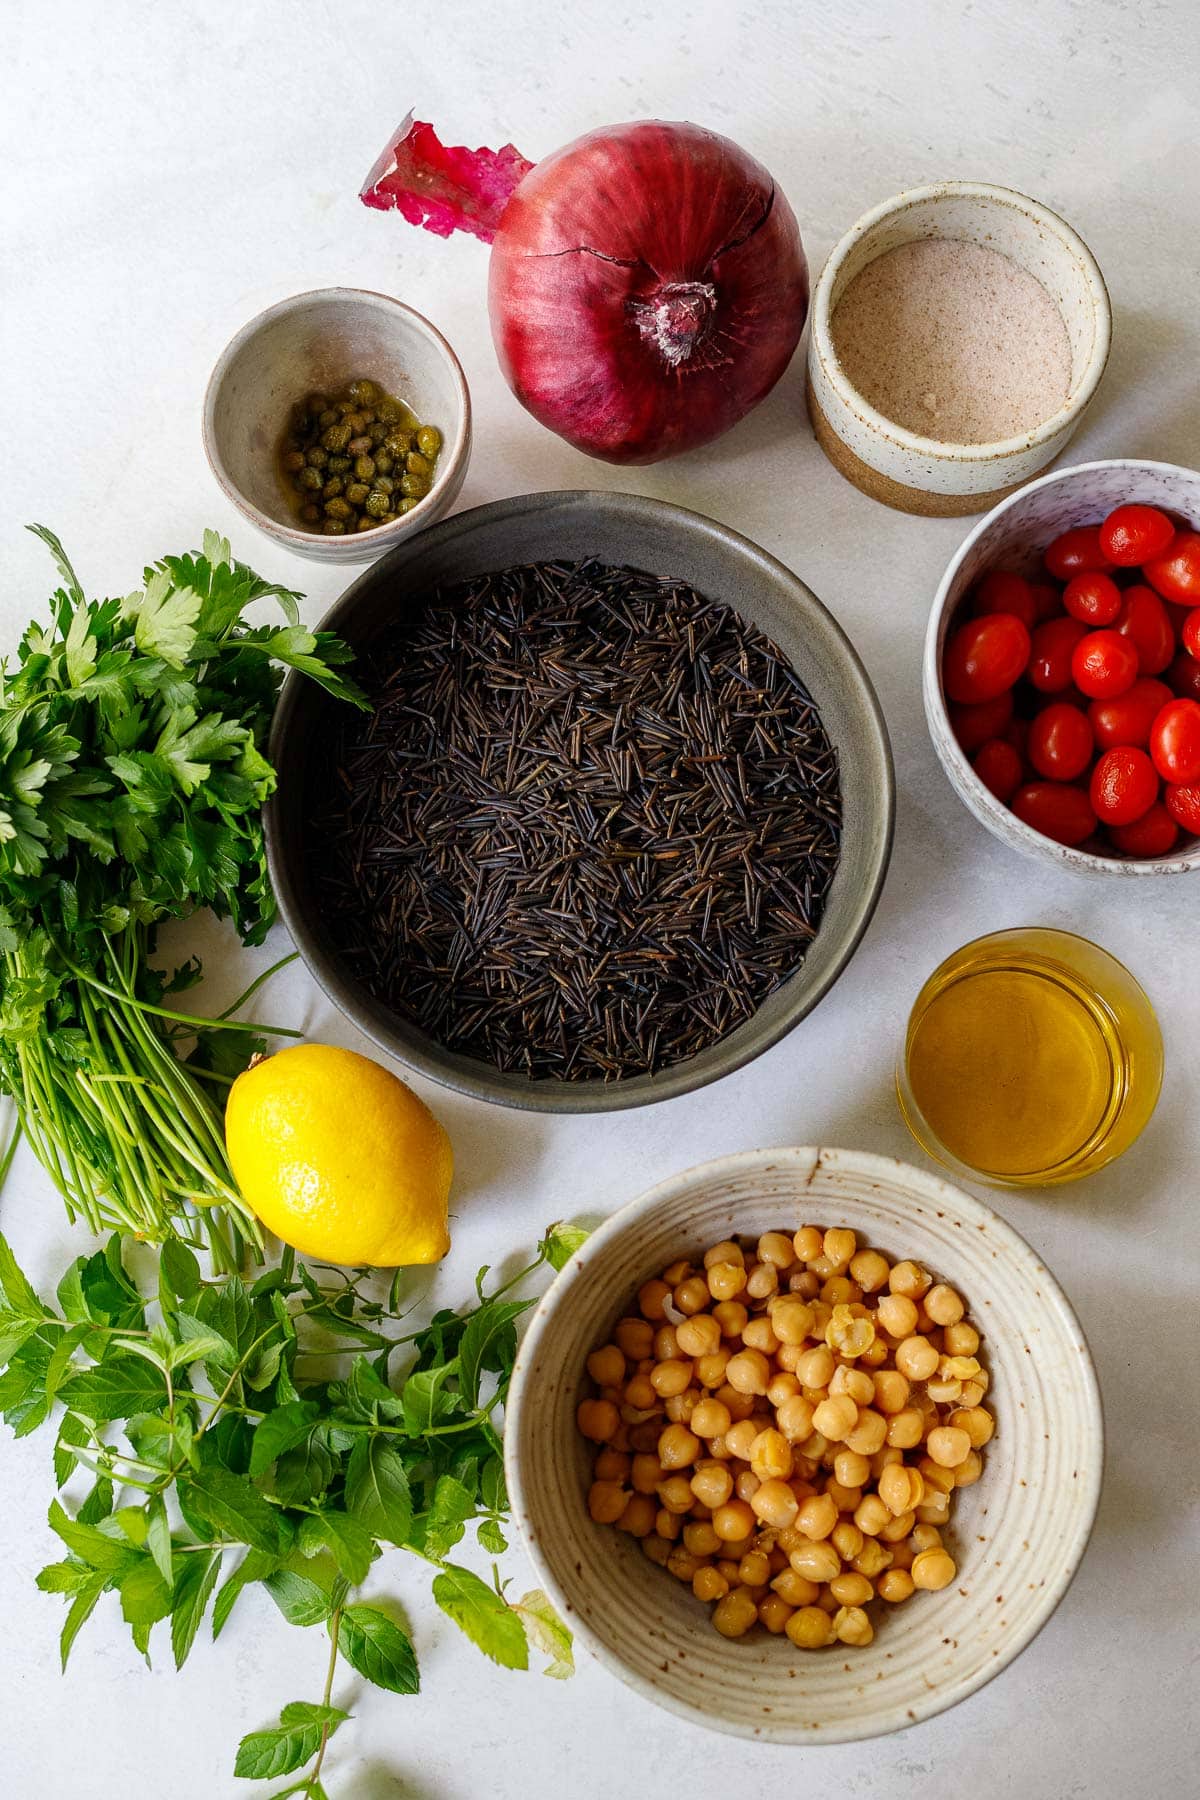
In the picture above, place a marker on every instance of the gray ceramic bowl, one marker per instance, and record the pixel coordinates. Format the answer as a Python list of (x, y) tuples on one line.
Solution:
[(620, 528), (321, 341), (1013, 536)]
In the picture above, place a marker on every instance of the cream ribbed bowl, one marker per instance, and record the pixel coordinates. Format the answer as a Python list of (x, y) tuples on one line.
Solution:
[(1018, 1535)]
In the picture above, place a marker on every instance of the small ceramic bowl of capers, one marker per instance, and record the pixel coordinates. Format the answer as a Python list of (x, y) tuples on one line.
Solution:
[(339, 423)]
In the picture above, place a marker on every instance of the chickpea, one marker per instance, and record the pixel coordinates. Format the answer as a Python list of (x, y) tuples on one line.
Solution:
[(897, 1489), (669, 1378), (606, 1501), (731, 1316), (746, 1484), (754, 1570), (676, 1272), (809, 1628), (804, 1284), (795, 1589), (933, 1569), (871, 1515), (870, 1270), (638, 1517), (734, 1614), (711, 1484), (773, 1614), (934, 1509), (960, 1339), (978, 1424), (891, 1391), (784, 1387), (836, 1417), (795, 1418), (897, 1315), (815, 1368), (646, 1474), (698, 1336), (732, 1521), (611, 1465), (597, 1420), (710, 1419), (851, 1469), (726, 1280), (771, 1456), (898, 1528), (869, 1433), (607, 1366), (808, 1243), (847, 1539), (949, 1445), (851, 1589), (906, 1428), (969, 1470), (895, 1585), (817, 1517), (943, 1305), (709, 1584), (777, 1248), (677, 1447), (682, 1564), (666, 1344), (936, 1477), (856, 1383), (640, 1394), (816, 1561), (680, 1407), (873, 1558), (675, 1494), (701, 1539), (749, 1372), (741, 1406), (667, 1524), (909, 1279), (792, 1320), (844, 1498), (656, 1548), (652, 1298), (710, 1370), (635, 1338), (644, 1437), (726, 1252), (916, 1358), (839, 1291), (762, 1281), (692, 1295)]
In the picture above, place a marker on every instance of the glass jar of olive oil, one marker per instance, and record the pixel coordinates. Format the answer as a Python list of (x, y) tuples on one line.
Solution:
[(1032, 1057)]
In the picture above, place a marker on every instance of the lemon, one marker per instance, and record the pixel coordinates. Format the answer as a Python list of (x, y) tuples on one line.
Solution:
[(339, 1158)]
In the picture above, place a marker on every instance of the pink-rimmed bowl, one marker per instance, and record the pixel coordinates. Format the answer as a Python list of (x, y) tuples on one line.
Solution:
[(1013, 536), (1018, 1534)]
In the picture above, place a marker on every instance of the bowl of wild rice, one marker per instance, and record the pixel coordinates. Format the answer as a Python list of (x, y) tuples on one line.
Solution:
[(615, 820)]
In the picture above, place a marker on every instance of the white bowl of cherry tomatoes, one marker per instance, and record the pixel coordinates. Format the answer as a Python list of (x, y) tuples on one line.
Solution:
[(1062, 669)]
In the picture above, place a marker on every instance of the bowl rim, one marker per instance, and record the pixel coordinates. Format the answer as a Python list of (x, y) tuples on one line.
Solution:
[(474, 1078), (942, 449), (308, 543), (990, 811), (873, 1166)]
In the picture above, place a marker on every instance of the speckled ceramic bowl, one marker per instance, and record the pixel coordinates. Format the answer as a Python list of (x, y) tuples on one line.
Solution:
[(925, 475), (321, 341), (1012, 537), (1018, 1535)]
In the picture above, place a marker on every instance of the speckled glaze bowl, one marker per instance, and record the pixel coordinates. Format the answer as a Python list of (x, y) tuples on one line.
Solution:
[(1013, 536), (321, 341), (925, 475), (1018, 1535)]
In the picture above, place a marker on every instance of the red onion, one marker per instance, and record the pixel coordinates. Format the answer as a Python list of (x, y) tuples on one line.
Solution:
[(648, 284)]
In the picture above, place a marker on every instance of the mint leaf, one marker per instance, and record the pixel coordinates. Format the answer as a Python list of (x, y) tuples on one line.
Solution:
[(263, 1755), (256, 1565), (98, 1549), (351, 1545), (377, 1491), (426, 1402), (561, 1243), (488, 1342), (195, 1582), (82, 1608), (379, 1650), (14, 1286), (115, 1389), (452, 1506), (145, 1599), (492, 1538), (232, 1507), (547, 1633), (15, 1329), (281, 1430), (484, 1615), (301, 1600)]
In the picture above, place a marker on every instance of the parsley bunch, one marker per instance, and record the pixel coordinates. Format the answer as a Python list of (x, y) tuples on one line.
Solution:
[(132, 781), (224, 1455)]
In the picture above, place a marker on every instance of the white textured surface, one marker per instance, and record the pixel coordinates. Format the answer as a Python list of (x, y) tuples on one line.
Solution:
[(170, 171)]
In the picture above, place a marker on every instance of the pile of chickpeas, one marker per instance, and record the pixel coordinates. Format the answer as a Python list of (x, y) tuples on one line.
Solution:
[(783, 1428)]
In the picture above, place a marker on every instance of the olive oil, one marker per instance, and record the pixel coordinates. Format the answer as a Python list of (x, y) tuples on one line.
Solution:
[(1032, 1057)]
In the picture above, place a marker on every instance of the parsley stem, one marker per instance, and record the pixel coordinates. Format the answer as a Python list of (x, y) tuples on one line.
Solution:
[(127, 998), (247, 993), (10, 1150)]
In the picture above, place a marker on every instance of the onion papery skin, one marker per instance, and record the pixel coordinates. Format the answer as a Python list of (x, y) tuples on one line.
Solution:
[(647, 289)]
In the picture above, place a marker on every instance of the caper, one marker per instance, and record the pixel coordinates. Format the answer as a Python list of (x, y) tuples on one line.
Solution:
[(346, 407), (367, 523), (314, 403), (316, 457), (384, 464), (333, 487), (334, 528), (326, 417), (398, 443), (336, 508), (377, 432), (364, 467), (293, 460), (384, 484), (360, 446), (407, 505), (378, 505), (416, 464), (310, 512), (415, 486), (309, 478), (364, 391), (337, 437), (356, 421), (389, 410), (357, 492), (429, 440), (338, 465)]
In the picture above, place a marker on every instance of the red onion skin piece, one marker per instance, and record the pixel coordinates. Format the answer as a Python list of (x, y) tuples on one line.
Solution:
[(647, 289), (443, 187)]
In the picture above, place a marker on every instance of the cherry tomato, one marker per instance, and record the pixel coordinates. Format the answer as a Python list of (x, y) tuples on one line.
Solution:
[(1128, 718), (1002, 592), (974, 725), (1056, 810), (985, 657), (1175, 742), (1123, 786), (1183, 804), (1152, 835), (1103, 664), (1053, 644), (1190, 633), (999, 768), (1074, 552), (1176, 574), (1094, 597), (1143, 620), (1047, 600), (1133, 534), (1060, 742), (1183, 676)]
